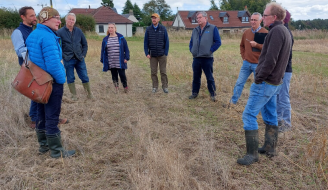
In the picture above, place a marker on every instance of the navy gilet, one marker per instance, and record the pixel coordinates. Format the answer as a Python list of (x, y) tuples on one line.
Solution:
[(26, 31)]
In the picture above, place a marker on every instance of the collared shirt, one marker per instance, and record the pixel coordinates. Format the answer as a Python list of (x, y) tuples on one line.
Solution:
[(254, 31), (155, 27)]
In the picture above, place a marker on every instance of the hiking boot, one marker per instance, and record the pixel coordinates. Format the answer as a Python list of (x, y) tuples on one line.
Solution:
[(252, 144), (270, 142), (193, 96), (33, 124), (154, 90), (126, 90), (63, 121), (165, 90), (213, 99)]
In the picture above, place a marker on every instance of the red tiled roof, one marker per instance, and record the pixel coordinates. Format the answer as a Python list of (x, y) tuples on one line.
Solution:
[(167, 23), (103, 15), (234, 21)]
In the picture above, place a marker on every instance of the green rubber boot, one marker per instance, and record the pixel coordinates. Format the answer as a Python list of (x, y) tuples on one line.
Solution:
[(72, 89), (252, 144), (42, 139), (270, 142), (56, 148), (86, 87)]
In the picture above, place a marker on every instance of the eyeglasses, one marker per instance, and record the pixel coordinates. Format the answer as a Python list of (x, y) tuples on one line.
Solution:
[(266, 15), (56, 17)]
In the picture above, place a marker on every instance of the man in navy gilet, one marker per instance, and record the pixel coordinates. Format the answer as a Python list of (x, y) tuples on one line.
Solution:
[(18, 38), (156, 47)]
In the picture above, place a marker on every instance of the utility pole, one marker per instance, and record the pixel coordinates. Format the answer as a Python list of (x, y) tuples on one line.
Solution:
[(51, 3), (178, 17), (42, 5)]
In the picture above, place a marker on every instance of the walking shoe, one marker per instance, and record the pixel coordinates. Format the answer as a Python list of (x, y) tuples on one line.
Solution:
[(126, 89), (284, 127), (32, 125), (154, 90), (213, 99), (166, 90), (193, 96), (63, 121)]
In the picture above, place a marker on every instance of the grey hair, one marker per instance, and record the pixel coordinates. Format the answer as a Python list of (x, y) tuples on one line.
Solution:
[(256, 13), (70, 14), (202, 12)]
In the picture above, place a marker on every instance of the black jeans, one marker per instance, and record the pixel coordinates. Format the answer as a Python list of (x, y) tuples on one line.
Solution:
[(115, 72), (48, 114)]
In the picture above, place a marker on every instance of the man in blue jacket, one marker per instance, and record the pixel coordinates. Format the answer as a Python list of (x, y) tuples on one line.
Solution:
[(45, 51), (18, 38), (205, 40), (156, 47), (75, 49)]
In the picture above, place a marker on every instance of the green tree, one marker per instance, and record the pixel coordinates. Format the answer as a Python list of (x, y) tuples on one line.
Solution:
[(137, 12), (127, 7), (107, 3), (157, 6), (252, 5), (213, 6)]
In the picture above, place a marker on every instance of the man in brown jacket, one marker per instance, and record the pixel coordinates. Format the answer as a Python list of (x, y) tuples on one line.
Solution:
[(250, 57), (268, 79)]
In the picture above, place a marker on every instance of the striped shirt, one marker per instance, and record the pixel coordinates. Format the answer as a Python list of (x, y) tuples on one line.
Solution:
[(113, 51)]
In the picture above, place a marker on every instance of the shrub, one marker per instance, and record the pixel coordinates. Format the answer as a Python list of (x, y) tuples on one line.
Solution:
[(9, 18)]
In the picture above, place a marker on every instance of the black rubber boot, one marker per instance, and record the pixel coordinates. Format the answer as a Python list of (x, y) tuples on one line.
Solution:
[(270, 142), (56, 148), (42, 139), (252, 144)]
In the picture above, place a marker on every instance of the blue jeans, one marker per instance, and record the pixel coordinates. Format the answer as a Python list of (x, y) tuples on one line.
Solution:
[(33, 111), (81, 70), (244, 73), (283, 100), (205, 64), (48, 114), (262, 97)]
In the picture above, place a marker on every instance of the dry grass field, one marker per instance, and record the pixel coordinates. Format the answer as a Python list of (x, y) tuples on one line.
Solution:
[(142, 141)]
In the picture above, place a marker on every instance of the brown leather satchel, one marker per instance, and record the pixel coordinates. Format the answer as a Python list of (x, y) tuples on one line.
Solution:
[(33, 82)]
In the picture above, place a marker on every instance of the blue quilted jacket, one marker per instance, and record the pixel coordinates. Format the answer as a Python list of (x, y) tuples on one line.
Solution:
[(44, 50)]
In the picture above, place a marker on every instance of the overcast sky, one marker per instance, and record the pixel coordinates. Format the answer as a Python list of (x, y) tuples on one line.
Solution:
[(299, 9)]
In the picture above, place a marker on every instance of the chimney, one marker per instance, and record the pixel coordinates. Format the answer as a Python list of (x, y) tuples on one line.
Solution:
[(130, 12), (89, 6), (245, 8)]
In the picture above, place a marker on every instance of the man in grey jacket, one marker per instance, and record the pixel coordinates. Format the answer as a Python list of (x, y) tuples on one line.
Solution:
[(205, 40), (75, 47), (268, 79)]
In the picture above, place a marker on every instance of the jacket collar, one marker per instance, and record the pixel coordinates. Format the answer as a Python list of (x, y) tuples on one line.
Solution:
[(46, 28), (276, 23)]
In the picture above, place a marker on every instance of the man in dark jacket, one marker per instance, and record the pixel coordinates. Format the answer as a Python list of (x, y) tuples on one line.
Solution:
[(156, 47), (205, 40), (75, 47), (268, 79)]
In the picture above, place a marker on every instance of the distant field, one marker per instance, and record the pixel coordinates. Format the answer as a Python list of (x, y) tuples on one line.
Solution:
[(143, 141)]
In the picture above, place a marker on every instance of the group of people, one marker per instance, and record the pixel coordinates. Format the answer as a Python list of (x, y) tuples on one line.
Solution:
[(270, 63)]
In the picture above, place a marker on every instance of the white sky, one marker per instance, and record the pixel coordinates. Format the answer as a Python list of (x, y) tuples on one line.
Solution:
[(299, 9)]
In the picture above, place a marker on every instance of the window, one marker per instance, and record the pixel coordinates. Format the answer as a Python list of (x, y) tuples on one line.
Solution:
[(211, 17), (101, 28), (225, 19), (245, 19)]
